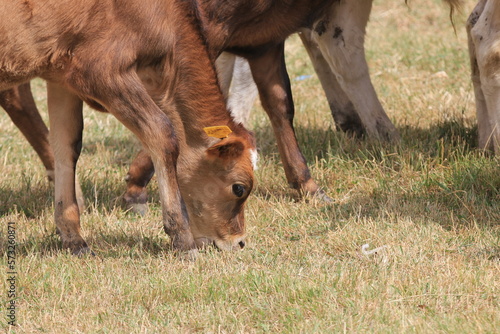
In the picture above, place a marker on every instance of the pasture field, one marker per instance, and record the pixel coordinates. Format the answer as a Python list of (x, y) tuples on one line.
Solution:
[(432, 202)]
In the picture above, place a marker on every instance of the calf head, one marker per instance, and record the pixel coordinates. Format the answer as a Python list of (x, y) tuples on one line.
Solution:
[(215, 189)]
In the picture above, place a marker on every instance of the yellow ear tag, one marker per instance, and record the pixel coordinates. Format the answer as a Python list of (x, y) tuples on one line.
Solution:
[(220, 131)]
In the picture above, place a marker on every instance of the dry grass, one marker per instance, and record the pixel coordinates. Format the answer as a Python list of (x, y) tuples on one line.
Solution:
[(433, 201)]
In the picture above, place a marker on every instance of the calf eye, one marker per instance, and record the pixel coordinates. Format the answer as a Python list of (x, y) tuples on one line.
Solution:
[(238, 190)]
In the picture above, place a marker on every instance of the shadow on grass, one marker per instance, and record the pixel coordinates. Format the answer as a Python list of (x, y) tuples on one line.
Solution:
[(456, 182), (31, 201), (104, 245), (454, 136)]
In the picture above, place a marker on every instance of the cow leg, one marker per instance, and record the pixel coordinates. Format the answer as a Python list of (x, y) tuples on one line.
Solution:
[(484, 118), (235, 78), (340, 38), (139, 174), (66, 123), (242, 93), (271, 77), (19, 104), (345, 116), (481, 110), (225, 69)]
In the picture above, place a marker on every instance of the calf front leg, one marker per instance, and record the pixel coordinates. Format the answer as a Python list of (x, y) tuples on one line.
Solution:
[(66, 123), (340, 37), (128, 100), (271, 77)]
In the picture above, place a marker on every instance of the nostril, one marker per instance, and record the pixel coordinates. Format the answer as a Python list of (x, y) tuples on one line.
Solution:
[(242, 244)]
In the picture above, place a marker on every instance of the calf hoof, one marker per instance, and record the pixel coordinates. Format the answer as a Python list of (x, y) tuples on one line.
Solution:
[(311, 189), (384, 131), (135, 204), (353, 129), (78, 247), (182, 241), (390, 135), (83, 252)]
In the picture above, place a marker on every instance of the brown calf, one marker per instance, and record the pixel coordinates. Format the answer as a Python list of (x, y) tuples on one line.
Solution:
[(146, 63)]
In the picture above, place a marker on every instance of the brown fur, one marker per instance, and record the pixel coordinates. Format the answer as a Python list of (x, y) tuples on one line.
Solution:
[(144, 62)]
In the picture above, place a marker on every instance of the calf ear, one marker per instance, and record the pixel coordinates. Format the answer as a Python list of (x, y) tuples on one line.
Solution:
[(227, 149)]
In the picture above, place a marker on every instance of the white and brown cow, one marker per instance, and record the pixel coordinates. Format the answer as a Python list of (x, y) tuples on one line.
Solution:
[(335, 44)]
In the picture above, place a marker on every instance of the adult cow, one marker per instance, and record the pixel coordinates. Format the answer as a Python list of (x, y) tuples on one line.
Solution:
[(145, 62)]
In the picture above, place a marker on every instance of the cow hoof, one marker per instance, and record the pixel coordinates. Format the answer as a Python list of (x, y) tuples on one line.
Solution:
[(83, 252), (387, 132)]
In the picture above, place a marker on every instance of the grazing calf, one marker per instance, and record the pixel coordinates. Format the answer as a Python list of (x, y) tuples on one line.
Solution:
[(146, 63), (483, 30)]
